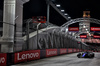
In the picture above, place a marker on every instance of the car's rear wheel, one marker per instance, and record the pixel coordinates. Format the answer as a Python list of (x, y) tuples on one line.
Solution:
[(79, 55)]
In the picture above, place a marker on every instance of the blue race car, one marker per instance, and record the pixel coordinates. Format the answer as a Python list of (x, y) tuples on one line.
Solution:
[(85, 55)]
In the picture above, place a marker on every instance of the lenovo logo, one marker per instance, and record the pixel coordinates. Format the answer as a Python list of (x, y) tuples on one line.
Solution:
[(2, 60), (73, 29), (62, 51), (51, 52), (83, 36), (95, 28), (27, 56), (96, 36), (69, 50)]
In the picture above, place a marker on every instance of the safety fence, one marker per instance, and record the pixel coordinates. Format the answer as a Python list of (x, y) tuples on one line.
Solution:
[(7, 59)]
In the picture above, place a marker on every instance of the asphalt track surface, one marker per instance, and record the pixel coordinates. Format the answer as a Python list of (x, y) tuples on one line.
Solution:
[(64, 60)]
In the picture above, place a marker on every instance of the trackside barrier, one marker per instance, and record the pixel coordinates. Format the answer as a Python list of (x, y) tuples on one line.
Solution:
[(26, 56), (7, 59), (85, 50), (81, 50), (42, 54), (74, 50), (77, 50), (63, 51), (3, 59), (51, 52), (70, 50)]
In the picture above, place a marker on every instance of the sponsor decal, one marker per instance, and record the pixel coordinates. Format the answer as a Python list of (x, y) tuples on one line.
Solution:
[(95, 28), (70, 51), (81, 50), (3, 58), (27, 55), (83, 36), (51, 52), (73, 28), (96, 36), (74, 50), (77, 50), (63, 51)]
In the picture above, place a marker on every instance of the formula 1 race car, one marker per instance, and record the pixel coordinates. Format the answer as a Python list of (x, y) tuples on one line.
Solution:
[(85, 55)]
